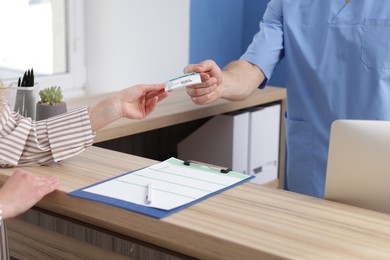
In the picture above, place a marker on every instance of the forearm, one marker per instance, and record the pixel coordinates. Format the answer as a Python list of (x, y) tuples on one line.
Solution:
[(241, 78), (105, 112)]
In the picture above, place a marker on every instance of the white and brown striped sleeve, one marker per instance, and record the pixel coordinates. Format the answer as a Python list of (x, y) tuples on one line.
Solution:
[(25, 143)]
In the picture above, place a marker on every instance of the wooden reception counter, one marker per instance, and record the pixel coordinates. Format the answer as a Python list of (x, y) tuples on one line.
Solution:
[(245, 222)]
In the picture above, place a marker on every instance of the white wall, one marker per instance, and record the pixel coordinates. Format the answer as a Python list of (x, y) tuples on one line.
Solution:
[(135, 41)]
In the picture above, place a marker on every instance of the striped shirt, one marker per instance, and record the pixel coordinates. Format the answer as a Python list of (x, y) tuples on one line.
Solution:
[(24, 142), (3, 238), (4, 254)]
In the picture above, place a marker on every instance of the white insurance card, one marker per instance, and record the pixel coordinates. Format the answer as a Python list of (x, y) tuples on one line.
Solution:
[(183, 81)]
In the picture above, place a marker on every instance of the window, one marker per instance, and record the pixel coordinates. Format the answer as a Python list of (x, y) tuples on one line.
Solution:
[(46, 35)]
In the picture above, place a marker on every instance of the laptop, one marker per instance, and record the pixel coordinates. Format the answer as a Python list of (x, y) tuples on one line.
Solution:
[(358, 168)]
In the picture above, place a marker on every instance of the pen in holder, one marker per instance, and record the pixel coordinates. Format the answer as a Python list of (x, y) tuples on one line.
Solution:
[(26, 95), (26, 100)]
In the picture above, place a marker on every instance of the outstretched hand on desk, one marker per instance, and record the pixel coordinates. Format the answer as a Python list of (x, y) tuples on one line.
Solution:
[(23, 190), (134, 102)]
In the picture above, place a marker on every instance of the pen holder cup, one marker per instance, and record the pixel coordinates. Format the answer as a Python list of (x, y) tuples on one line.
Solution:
[(24, 100)]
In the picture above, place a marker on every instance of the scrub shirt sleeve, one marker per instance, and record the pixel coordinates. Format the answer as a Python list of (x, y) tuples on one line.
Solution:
[(267, 49)]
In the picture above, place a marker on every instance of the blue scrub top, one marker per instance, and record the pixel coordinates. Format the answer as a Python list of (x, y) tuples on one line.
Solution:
[(337, 67)]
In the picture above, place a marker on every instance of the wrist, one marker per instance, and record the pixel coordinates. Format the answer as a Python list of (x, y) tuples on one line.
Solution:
[(104, 112), (1, 212)]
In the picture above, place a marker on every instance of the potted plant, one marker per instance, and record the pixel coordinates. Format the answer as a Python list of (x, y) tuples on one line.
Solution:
[(51, 103)]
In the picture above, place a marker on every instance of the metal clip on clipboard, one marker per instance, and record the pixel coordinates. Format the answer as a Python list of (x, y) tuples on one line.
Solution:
[(211, 166)]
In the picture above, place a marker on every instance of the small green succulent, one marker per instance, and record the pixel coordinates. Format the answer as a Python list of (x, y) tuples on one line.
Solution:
[(51, 95)]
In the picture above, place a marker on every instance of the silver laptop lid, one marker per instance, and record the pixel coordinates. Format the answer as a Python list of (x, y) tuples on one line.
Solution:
[(358, 171)]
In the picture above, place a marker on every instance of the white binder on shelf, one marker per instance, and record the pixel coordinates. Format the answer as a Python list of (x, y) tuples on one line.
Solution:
[(246, 141), (264, 134), (222, 141)]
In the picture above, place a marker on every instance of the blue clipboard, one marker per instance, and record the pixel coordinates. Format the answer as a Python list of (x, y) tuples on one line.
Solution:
[(148, 211)]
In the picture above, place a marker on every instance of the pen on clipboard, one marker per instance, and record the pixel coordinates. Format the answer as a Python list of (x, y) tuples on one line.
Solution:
[(149, 194)]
